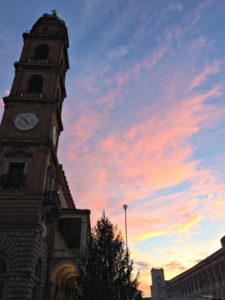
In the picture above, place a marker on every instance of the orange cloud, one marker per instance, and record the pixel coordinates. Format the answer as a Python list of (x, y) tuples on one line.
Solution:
[(174, 216), (190, 223), (127, 166), (214, 204), (148, 235), (146, 160), (175, 265), (155, 154)]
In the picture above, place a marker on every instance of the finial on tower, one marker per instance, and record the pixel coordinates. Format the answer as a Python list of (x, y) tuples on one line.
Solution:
[(54, 12)]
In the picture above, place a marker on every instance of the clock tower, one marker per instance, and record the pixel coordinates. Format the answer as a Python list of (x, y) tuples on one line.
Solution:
[(41, 231)]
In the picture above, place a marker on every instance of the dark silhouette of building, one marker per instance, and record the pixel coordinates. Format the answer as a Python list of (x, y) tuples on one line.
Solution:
[(42, 234), (158, 286), (205, 280)]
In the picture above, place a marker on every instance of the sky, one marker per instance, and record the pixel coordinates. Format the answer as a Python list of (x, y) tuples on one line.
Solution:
[(144, 119)]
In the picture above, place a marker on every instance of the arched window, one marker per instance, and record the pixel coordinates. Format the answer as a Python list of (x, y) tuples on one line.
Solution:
[(42, 51), (35, 84)]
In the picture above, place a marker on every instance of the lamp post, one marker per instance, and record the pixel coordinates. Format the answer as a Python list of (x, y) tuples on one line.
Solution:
[(125, 212)]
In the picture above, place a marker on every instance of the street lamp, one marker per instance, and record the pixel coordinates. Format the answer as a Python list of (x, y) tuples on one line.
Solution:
[(125, 212)]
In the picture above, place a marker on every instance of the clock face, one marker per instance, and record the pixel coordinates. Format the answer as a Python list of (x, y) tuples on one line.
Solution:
[(54, 135), (26, 121)]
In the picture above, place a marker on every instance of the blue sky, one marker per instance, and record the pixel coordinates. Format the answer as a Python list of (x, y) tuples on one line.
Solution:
[(143, 120)]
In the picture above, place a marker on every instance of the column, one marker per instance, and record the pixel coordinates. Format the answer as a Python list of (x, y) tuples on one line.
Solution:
[(83, 242)]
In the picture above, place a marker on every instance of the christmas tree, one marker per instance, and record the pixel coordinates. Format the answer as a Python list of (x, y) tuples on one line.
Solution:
[(106, 271)]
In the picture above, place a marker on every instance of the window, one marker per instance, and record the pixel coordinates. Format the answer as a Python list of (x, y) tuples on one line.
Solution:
[(15, 171), (35, 84), (42, 51), (15, 177)]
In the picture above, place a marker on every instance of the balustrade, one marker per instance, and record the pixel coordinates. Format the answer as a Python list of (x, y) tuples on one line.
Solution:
[(68, 253), (36, 60), (33, 95)]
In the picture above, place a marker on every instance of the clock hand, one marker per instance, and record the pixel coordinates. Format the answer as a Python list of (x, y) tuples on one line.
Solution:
[(25, 120)]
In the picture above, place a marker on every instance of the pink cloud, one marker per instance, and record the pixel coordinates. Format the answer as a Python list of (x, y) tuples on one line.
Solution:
[(178, 32), (145, 64), (130, 165), (108, 100), (85, 127), (154, 145), (208, 70), (89, 85), (116, 163), (199, 43)]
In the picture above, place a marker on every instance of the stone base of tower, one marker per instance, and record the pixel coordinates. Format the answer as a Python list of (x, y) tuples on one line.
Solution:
[(25, 252), (23, 249)]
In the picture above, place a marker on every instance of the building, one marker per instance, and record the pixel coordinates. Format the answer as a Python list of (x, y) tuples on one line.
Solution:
[(42, 234), (205, 280), (158, 284)]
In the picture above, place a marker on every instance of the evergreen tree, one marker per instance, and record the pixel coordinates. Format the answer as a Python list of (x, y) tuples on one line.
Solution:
[(106, 272)]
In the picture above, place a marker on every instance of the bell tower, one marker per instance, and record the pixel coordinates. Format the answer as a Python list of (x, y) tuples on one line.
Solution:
[(33, 188), (32, 119)]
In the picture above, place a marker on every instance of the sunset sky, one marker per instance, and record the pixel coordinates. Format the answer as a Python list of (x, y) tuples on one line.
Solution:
[(144, 118)]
